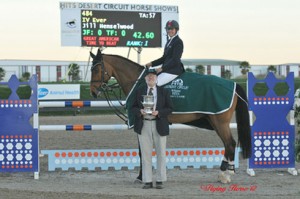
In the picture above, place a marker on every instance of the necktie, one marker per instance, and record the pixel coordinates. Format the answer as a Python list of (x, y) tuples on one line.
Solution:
[(150, 91)]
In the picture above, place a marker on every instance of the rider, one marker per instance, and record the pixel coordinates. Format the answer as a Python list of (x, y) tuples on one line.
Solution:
[(171, 59)]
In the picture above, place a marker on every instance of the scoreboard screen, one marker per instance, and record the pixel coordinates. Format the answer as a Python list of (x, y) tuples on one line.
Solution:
[(110, 29), (114, 25)]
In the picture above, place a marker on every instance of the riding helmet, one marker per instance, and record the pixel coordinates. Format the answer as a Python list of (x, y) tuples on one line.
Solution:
[(172, 24)]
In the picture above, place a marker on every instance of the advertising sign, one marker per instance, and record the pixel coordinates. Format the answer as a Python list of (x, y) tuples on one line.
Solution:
[(58, 91)]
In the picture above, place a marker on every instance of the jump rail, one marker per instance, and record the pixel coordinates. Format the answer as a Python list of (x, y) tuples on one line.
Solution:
[(77, 104), (89, 127)]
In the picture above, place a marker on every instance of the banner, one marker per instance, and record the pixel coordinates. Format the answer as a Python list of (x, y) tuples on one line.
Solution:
[(58, 91)]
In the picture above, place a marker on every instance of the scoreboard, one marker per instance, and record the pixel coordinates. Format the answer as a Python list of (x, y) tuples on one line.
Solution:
[(106, 28), (114, 25)]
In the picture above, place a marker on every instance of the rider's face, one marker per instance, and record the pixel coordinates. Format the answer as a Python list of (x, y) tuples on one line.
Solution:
[(171, 32)]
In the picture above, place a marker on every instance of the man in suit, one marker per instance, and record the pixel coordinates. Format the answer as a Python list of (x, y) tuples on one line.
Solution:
[(152, 128), (171, 59)]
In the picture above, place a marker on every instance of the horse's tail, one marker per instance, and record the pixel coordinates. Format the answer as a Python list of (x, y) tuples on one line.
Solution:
[(243, 122)]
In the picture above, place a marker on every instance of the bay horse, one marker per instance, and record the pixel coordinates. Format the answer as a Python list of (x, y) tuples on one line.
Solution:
[(126, 72)]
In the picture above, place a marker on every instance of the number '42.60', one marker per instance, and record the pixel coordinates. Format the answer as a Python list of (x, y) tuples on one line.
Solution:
[(140, 35)]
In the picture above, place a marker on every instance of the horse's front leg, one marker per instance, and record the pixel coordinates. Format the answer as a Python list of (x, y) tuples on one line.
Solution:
[(139, 179)]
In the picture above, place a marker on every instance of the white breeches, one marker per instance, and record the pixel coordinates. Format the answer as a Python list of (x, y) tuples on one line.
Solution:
[(164, 78)]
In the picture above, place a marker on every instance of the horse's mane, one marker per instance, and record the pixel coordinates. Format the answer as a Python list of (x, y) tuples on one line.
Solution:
[(124, 58)]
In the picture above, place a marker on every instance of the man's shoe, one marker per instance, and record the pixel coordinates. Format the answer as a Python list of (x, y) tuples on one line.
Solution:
[(159, 185), (138, 180), (148, 185)]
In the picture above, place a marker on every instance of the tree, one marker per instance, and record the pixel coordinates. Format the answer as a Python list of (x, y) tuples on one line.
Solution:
[(272, 68), (73, 72), (227, 74), (2, 74), (245, 66), (188, 70), (200, 69), (25, 76)]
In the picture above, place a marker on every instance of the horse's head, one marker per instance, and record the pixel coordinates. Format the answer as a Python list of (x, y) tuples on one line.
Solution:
[(100, 74)]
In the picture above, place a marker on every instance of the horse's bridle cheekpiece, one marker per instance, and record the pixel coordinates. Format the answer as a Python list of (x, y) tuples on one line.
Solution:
[(104, 73)]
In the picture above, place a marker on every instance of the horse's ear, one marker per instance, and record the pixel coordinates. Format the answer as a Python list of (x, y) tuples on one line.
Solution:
[(99, 53), (92, 55)]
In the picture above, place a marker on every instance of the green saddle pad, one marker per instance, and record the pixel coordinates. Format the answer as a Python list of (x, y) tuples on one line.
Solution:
[(209, 94), (193, 93)]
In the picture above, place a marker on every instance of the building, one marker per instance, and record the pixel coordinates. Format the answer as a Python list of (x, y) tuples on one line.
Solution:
[(47, 71), (219, 66)]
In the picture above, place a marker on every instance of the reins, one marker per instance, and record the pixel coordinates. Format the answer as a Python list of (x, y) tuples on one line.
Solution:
[(109, 90), (117, 111)]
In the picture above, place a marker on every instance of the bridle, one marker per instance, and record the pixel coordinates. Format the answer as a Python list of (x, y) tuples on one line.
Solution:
[(95, 69), (109, 90)]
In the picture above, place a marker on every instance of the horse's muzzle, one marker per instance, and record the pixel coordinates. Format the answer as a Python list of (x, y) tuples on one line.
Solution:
[(95, 93)]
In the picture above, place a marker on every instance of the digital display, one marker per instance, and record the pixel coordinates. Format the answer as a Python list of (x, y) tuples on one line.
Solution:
[(103, 24), (120, 29)]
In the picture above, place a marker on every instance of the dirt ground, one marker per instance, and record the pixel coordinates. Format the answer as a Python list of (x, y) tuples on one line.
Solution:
[(182, 183)]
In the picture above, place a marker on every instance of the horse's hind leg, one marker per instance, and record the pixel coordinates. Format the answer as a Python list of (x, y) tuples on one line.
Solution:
[(228, 159), (227, 166)]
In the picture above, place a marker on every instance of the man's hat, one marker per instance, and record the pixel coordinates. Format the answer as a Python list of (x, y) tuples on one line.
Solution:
[(151, 70)]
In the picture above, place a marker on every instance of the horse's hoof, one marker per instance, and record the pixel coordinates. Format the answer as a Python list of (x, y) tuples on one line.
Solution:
[(224, 178), (231, 172), (228, 179)]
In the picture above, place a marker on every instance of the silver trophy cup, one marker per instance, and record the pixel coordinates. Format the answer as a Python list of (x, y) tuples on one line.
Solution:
[(148, 103)]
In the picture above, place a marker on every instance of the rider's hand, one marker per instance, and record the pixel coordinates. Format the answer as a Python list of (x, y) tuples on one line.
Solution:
[(158, 70)]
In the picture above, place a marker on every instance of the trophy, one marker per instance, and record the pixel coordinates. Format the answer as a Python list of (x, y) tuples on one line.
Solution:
[(148, 103)]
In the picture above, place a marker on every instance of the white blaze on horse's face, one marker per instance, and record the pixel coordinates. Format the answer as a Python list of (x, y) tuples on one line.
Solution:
[(94, 88), (96, 81), (151, 79)]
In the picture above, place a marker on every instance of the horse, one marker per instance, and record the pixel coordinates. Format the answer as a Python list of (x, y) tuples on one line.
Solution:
[(126, 72)]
